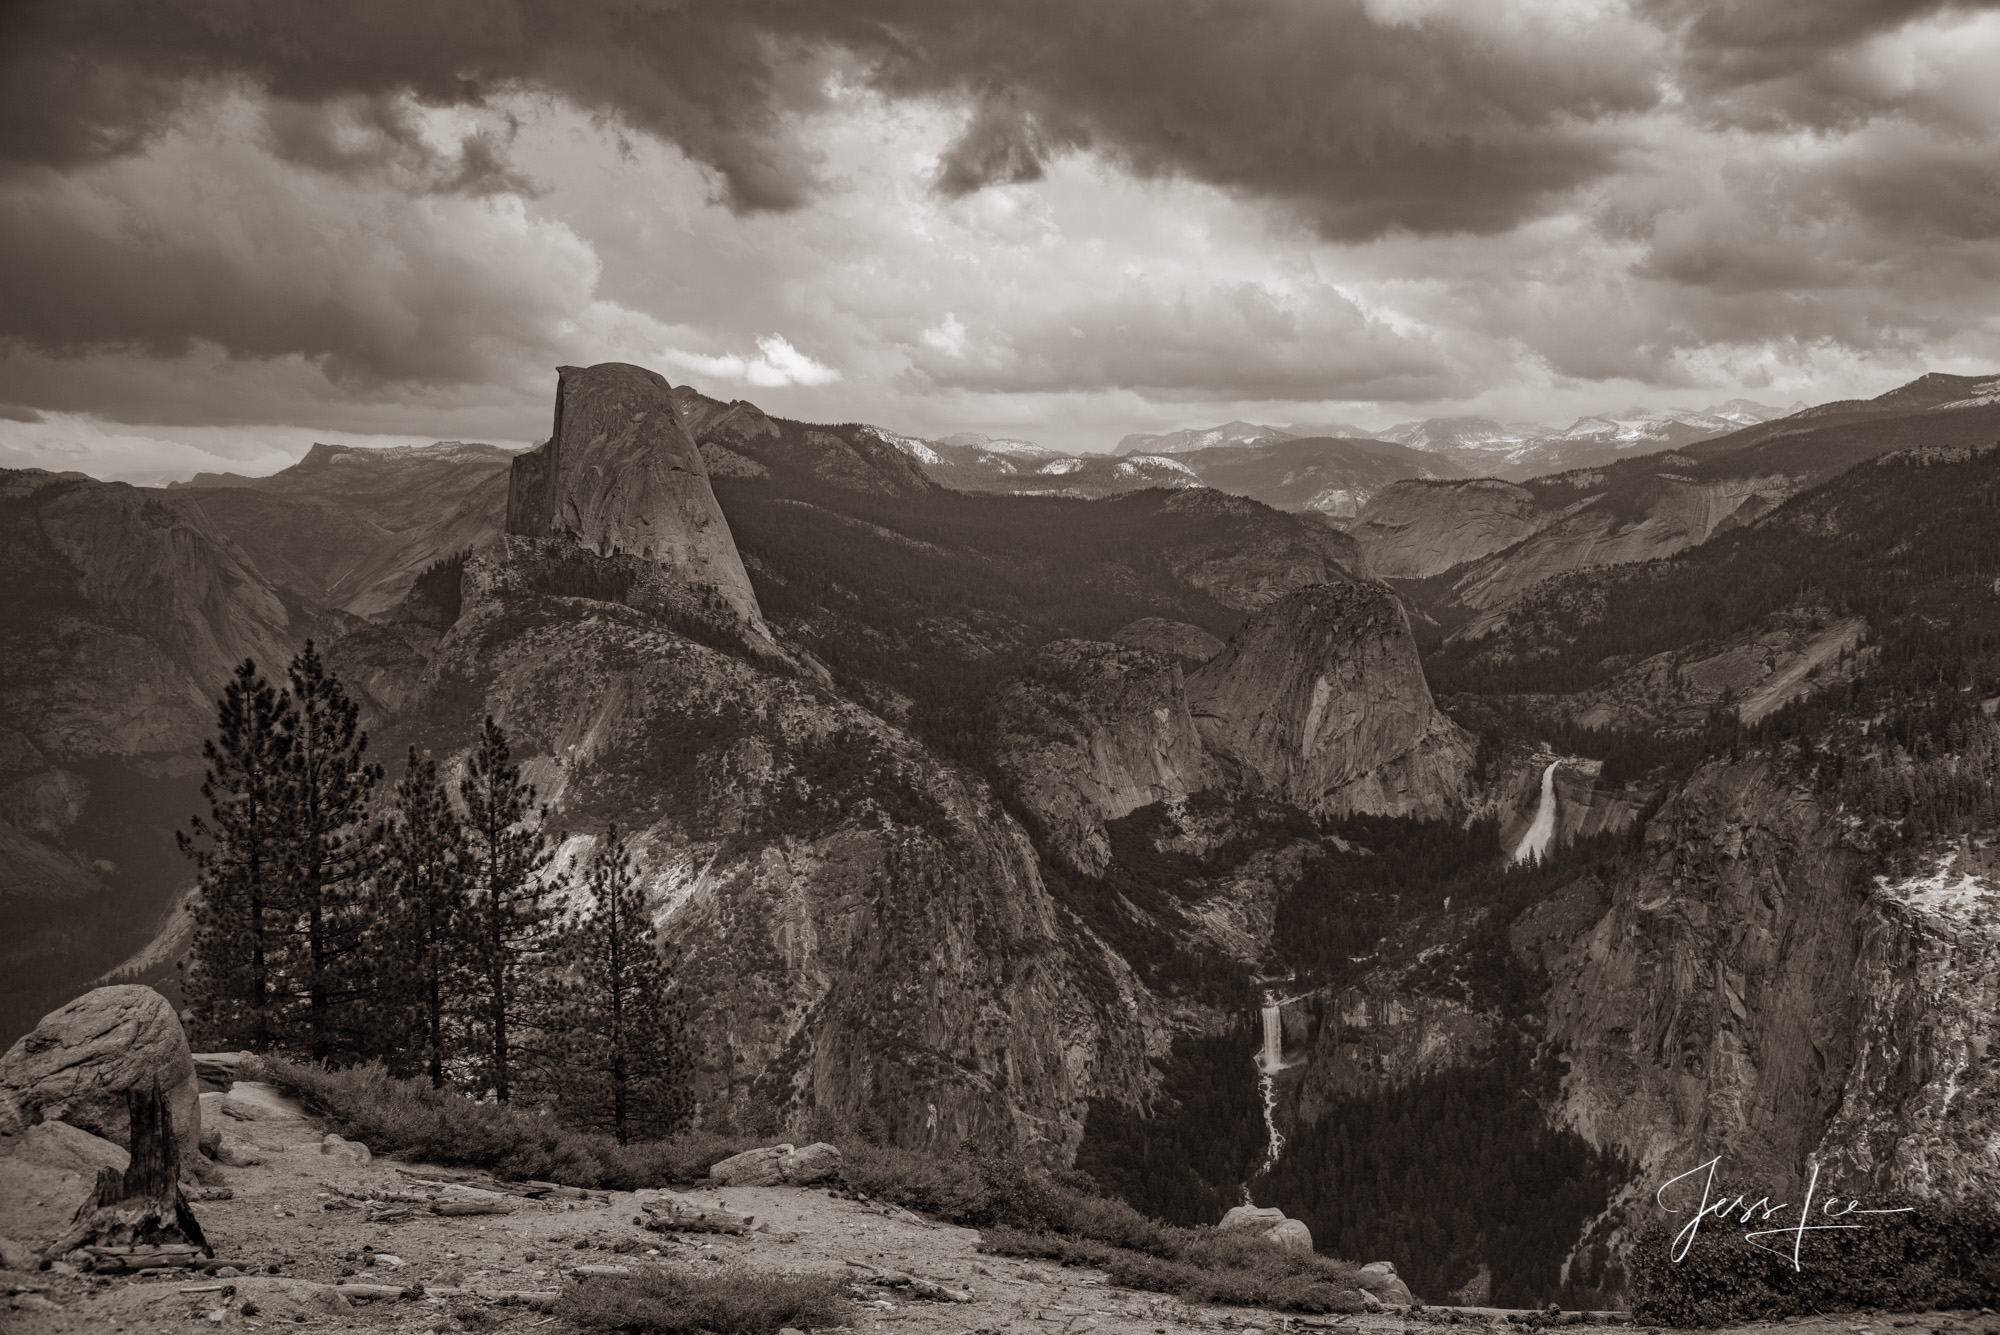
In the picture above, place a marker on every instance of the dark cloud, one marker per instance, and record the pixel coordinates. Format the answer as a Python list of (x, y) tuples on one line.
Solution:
[(1767, 64), (1001, 145), (1431, 123), (14, 412)]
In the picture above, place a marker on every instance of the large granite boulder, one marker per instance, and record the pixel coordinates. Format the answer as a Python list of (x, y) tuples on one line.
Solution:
[(775, 1165), (1385, 1283), (1321, 699), (81, 1061), (621, 474), (47, 1172), (1269, 1223)]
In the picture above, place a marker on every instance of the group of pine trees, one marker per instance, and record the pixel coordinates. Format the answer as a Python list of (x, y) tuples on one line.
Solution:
[(426, 927)]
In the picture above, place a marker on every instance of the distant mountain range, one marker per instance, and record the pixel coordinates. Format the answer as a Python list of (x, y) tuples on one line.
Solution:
[(1482, 447)]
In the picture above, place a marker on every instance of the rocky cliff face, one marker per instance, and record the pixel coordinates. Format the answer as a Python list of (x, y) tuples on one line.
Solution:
[(1668, 514), (1747, 992), (1413, 530), (353, 528), (620, 474), (1320, 699), (1089, 732), (860, 930)]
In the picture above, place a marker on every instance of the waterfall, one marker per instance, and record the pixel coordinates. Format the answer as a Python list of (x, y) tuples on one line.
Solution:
[(1270, 1061), (1535, 843)]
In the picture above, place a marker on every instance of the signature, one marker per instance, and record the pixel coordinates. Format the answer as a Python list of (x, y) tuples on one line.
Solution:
[(1761, 1211)]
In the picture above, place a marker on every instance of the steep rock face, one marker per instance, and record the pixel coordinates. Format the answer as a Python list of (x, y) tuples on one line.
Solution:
[(740, 440), (1191, 645), (353, 528), (1320, 698), (1245, 555), (859, 929), (1669, 514), (620, 473), (1413, 530), (1088, 732), (1748, 994)]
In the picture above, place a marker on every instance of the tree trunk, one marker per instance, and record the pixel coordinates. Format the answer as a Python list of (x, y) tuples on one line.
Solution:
[(141, 1208)]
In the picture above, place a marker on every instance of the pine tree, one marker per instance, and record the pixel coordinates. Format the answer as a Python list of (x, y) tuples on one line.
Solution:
[(423, 921), (234, 977), (326, 790), (510, 911), (622, 1054)]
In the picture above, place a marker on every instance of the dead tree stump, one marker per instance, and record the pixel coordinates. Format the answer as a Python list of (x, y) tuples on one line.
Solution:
[(140, 1210)]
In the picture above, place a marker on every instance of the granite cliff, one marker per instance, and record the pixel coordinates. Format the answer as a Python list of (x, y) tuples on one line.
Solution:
[(1320, 698), (1088, 732), (619, 473)]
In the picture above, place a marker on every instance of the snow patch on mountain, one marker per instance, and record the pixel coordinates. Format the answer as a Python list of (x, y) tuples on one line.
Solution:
[(917, 449)]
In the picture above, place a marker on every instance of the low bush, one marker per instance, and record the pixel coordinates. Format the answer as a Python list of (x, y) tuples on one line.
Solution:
[(1939, 1256), (1022, 1210), (678, 1300), (1212, 1268), (393, 1116)]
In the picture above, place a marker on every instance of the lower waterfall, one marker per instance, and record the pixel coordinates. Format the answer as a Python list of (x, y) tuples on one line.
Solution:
[(1270, 1061)]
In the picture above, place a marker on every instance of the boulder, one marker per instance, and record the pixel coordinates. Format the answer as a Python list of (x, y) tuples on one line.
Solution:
[(80, 1062), (235, 1153), (752, 1168), (211, 1121), (1257, 1218), (261, 1101), (217, 1071), (620, 474), (46, 1173), (18, 1256), (353, 1151), (1381, 1277), (810, 1164), (1292, 1236)]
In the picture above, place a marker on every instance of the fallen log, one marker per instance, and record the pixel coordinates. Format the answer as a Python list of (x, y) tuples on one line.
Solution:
[(369, 1293), (382, 1213), (678, 1214), (465, 1205), (923, 1288)]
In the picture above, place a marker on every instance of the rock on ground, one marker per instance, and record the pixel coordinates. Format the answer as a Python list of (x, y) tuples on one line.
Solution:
[(80, 1062), (775, 1164), (46, 1173)]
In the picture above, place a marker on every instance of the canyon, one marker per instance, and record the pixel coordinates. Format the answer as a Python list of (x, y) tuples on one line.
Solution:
[(970, 816)]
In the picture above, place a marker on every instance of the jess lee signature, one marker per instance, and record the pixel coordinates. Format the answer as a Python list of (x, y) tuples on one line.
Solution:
[(1760, 1211)]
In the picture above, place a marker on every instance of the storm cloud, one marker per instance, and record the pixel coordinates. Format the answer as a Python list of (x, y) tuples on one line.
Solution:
[(929, 207)]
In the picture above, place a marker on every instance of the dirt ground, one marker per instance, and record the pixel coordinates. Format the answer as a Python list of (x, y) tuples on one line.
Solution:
[(276, 1222)]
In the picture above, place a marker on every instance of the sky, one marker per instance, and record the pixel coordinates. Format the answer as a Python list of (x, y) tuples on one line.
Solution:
[(233, 227)]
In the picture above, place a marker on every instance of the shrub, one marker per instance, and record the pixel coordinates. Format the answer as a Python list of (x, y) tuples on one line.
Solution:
[(677, 1300), (395, 1116), (1212, 1268), (1941, 1255), (1025, 1212)]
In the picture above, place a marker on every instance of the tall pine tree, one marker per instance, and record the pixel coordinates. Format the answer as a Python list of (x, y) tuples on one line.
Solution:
[(509, 856), (423, 922), (326, 788), (622, 1055), (234, 977)]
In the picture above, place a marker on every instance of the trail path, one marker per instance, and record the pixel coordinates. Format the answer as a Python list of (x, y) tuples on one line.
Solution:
[(276, 1219)]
